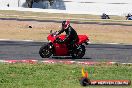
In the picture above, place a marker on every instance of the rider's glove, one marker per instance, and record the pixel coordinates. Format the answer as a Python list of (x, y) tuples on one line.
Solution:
[(61, 41), (58, 40)]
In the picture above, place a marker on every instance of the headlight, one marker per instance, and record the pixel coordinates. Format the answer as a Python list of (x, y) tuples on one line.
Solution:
[(88, 42), (49, 41)]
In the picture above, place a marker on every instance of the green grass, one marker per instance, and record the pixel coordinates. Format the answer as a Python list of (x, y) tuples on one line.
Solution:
[(58, 75)]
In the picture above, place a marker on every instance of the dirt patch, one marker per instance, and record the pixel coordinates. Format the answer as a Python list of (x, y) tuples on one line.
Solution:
[(98, 33)]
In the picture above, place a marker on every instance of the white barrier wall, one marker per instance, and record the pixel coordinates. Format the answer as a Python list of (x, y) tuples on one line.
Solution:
[(12, 3), (104, 6), (111, 7)]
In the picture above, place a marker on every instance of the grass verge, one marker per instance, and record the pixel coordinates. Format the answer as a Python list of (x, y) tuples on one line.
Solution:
[(61, 16), (58, 75)]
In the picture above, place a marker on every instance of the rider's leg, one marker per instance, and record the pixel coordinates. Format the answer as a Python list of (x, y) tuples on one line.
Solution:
[(70, 46)]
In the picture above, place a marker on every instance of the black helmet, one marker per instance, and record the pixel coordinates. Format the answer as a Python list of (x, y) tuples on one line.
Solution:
[(65, 24)]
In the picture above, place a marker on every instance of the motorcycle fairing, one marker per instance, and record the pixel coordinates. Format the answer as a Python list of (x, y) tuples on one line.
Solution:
[(60, 49)]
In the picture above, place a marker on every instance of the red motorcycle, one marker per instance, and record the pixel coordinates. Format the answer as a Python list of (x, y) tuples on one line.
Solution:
[(56, 49)]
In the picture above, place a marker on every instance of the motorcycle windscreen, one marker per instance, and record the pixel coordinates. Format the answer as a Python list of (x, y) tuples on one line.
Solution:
[(60, 50)]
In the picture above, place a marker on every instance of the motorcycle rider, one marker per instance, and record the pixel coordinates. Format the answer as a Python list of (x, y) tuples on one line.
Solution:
[(71, 35)]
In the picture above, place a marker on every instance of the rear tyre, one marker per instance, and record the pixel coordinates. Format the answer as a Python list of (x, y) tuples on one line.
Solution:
[(45, 51), (79, 52)]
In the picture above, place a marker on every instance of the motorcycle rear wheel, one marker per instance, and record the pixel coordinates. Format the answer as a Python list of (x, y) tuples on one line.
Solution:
[(79, 53), (45, 51)]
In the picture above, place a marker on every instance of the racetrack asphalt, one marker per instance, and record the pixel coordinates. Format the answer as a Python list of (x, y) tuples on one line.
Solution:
[(19, 50)]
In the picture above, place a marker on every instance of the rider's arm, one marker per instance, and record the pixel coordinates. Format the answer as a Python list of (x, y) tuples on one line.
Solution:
[(60, 31), (67, 36)]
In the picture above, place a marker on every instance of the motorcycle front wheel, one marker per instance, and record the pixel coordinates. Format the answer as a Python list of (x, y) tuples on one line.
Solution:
[(45, 51), (79, 52)]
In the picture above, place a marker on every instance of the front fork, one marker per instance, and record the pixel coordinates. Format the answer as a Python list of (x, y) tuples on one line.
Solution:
[(51, 46)]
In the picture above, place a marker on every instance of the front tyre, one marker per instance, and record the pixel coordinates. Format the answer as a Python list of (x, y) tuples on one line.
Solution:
[(79, 52), (45, 51)]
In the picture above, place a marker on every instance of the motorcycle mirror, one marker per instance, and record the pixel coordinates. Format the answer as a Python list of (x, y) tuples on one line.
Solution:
[(50, 31)]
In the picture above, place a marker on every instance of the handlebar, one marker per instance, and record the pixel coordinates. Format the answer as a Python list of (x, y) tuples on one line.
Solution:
[(55, 36), (55, 33)]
